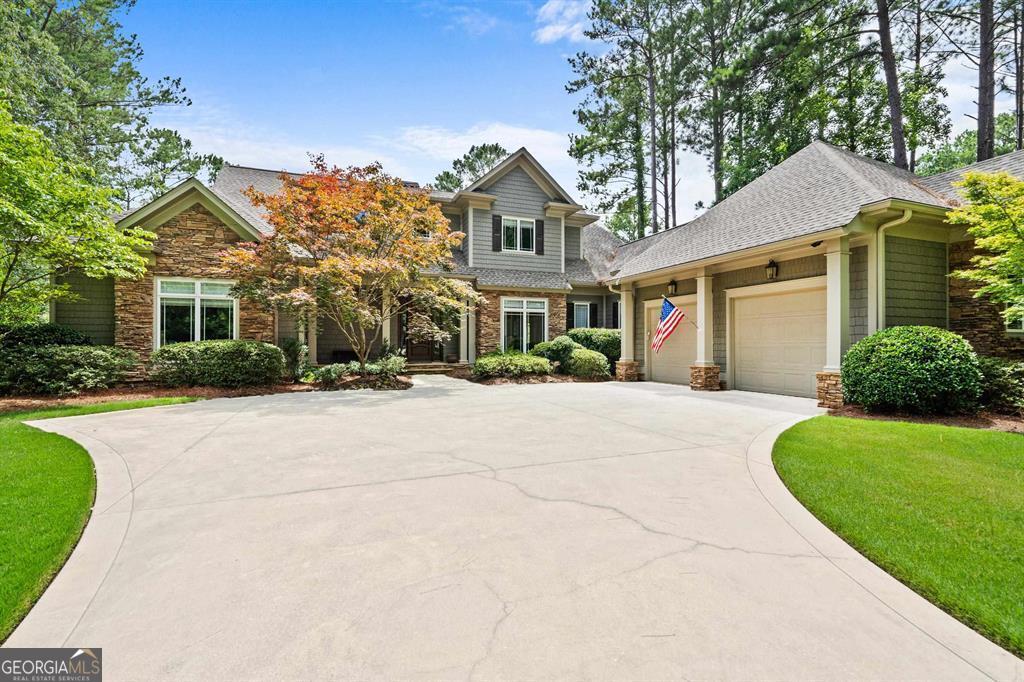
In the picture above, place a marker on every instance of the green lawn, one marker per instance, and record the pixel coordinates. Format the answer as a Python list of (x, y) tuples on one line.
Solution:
[(48, 485), (938, 507)]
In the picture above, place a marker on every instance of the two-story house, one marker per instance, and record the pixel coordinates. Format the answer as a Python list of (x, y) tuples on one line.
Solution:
[(532, 252)]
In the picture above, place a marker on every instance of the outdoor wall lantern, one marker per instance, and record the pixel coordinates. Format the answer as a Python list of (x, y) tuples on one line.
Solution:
[(672, 288), (771, 271)]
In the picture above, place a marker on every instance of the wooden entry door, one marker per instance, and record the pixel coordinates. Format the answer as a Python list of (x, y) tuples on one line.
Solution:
[(420, 351)]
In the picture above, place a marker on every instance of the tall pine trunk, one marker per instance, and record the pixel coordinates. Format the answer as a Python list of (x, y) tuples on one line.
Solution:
[(986, 81), (652, 106), (892, 85), (1018, 72), (638, 170)]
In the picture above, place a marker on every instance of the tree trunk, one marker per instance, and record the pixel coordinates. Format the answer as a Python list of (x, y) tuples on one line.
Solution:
[(675, 215), (986, 81), (717, 130), (1018, 75), (899, 143), (653, 117), (638, 169)]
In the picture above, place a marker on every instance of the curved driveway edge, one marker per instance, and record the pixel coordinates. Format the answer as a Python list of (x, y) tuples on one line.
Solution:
[(959, 639)]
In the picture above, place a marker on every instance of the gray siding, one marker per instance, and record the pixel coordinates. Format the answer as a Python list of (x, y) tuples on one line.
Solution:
[(93, 312), (915, 282), (858, 293), (798, 268), (687, 286), (572, 242), (517, 195)]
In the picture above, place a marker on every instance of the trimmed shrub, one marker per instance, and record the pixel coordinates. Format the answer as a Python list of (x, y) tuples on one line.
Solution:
[(607, 342), (557, 350), (587, 363), (62, 370), (329, 375), (42, 334), (924, 370), (224, 364), (511, 364), (1002, 387), (296, 357)]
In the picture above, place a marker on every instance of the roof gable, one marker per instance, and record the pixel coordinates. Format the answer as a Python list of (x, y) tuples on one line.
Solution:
[(1012, 163), (181, 197), (521, 158)]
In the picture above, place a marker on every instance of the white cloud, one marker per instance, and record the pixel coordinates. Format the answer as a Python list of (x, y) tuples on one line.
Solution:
[(562, 20)]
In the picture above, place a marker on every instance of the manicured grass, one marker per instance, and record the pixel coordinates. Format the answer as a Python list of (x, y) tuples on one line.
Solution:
[(940, 508), (47, 486)]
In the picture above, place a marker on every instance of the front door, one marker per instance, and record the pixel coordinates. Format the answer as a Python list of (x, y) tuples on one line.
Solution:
[(420, 351)]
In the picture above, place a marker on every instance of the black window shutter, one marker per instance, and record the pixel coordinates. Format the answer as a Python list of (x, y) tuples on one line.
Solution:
[(570, 315), (495, 232), (538, 238), (594, 320)]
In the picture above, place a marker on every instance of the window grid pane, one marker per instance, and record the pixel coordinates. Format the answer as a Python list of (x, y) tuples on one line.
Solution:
[(177, 323), (526, 235), (177, 287), (509, 230), (535, 329), (581, 316), (536, 305), (215, 288), (513, 331), (218, 319)]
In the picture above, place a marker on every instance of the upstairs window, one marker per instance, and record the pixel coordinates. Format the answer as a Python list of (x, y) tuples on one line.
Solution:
[(517, 234), (195, 310)]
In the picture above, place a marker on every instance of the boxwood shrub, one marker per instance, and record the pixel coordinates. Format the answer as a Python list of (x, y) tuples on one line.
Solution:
[(923, 370), (1002, 385), (587, 363), (510, 364), (557, 350), (225, 364), (607, 342), (41, 334), (62, 370)]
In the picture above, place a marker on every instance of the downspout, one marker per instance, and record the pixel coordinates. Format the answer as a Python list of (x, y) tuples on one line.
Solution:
[(880, 264)]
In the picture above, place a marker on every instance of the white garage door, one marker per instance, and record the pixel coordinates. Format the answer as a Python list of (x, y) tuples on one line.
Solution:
[(779, 342), (671, 364)]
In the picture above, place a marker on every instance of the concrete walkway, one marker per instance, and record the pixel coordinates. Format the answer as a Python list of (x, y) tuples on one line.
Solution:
[(453, 531)]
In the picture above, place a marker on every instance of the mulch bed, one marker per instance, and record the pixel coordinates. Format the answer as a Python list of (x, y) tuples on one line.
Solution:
[(535, 379), (142, 391), (354, 383), (981, 420)]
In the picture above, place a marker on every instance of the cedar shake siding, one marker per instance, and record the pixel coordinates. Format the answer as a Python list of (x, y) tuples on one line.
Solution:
[(858, 293), (517, 196), (915, 282), (92, 311), (488, 317), (187, 245), (977, 319)]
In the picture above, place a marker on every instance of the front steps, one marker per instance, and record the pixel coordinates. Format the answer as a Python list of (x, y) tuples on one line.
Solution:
[(433, 367)]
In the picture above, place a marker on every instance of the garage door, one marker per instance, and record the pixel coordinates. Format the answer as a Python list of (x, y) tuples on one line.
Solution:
[(779, 342), (671, 364)]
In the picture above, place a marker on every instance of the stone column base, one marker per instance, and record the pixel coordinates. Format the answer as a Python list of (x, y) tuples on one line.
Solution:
[(830, 390), (705, 378), (626, 370)]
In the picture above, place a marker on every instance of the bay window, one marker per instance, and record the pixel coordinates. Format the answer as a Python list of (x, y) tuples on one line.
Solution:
[(524, 323), (517, 234), (195, 310)]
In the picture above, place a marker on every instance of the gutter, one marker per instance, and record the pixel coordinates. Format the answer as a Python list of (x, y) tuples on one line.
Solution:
[(880, 263)]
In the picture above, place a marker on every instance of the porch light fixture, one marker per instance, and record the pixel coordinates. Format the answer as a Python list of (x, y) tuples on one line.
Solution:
[(672, 288), (771, 271)]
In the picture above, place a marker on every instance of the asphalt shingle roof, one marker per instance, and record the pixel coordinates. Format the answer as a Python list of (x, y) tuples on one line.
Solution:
[(1012, 163), (819, 188)]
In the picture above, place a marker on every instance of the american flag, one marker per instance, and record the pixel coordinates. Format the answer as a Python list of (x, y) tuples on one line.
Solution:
[(671, 316)]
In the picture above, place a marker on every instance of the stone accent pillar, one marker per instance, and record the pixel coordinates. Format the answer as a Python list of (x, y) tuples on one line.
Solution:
[(626, 370), (705, 378), (830, 390)]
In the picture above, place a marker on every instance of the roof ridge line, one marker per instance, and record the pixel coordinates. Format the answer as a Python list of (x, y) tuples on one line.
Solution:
[(849, 170)]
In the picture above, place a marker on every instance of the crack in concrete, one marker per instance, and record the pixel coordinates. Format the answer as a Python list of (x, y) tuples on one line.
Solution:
[(507, 607)]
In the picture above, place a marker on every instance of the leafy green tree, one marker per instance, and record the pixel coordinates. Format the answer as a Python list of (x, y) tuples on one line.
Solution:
[(470, 167), (627, 221), (962, 150), (994, 216), (158, 159), (70, 70), (53, 221)]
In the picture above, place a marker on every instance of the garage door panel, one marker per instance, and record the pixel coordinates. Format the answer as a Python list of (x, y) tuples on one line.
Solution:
[(779, 342), (672, 363)]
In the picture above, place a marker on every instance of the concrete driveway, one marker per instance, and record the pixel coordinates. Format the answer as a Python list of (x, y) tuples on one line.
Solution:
[(456, 531)]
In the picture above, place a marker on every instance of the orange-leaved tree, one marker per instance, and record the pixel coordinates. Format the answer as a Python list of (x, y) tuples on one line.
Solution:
[(355, 246)]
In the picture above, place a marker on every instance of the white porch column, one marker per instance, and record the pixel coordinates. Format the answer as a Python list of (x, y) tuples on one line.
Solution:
[(464, 335), (310, 325), (873, 316), (837, 315), (471, 331), (705, 322), (626, 320)]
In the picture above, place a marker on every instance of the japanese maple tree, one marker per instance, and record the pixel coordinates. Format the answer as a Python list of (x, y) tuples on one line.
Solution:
[(355, 246)]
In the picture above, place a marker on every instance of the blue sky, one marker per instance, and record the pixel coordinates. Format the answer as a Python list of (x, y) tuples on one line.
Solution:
[(409, 84)]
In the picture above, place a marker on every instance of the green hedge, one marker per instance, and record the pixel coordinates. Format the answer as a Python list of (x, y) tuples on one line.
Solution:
[(42, 334), (923, 370), (511, 364), (387, 367), (557, 350), (62, 370), (587, 363), (607, 342), (1002, 385), (224, 364)]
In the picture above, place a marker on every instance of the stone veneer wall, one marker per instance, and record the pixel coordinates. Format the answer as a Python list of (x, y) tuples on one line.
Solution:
[(976, 319), (488, 318), (187, 245)]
